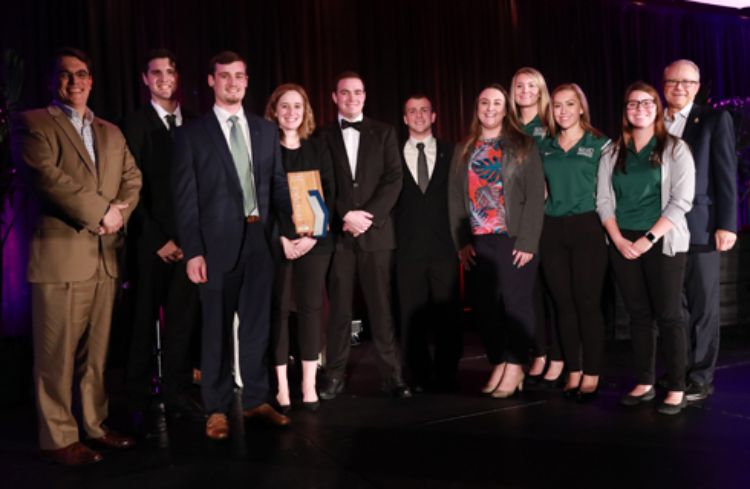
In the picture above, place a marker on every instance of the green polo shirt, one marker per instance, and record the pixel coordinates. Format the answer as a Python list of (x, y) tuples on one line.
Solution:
[(535, 129), (638, 192), (571, 175)]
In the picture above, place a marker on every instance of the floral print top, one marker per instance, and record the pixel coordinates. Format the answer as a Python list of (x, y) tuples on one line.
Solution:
[(486, 196)]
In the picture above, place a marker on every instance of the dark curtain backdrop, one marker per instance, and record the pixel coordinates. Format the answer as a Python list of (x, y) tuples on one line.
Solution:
[(447, 49)]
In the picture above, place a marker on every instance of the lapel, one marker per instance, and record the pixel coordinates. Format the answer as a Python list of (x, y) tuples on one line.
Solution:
[(366, 138), (256, 143), (211, 124), (338, 150), (693, 123), (67, 128), (154, 120)]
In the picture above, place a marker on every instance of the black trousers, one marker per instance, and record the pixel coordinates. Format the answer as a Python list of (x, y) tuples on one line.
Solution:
[(504, 299), (373, 270), (651, 287), (546, 332), (429, 307), (162, 284), (701, 300), (299, 282), (574, 262), (245, 289)]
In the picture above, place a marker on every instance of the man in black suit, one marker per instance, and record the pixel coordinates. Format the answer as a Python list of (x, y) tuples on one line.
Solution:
[(227, 173), (160, 272), (712, 221), (426, 260), (367, 168)]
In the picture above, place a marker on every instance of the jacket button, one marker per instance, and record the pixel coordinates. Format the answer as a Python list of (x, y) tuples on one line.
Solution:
[(356, 185)]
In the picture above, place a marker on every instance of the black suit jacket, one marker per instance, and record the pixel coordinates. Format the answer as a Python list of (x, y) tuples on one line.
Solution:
[(375, 187), (422, 225), (152, 223), (208, 197), (710, 135)]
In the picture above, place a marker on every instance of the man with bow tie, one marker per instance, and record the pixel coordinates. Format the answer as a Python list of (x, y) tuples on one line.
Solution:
[(368, 174)]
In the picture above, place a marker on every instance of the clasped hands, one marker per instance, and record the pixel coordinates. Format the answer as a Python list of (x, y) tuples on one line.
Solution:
[(357, 222), (113, 219), (633, 249), (296, 248)]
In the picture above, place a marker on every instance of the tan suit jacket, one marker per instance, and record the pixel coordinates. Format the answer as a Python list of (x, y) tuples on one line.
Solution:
[(75, 193)]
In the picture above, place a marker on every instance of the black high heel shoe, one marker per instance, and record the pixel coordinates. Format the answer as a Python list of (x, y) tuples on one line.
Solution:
[(586, 397)]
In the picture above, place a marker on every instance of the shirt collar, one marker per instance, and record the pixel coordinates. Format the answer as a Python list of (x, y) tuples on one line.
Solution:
[(224, 115), (684, 113), (71, 113), (428, 141), (359, 118), (163, 113)]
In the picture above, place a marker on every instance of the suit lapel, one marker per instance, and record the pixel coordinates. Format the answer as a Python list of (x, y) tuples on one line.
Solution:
[(256, 145), (211, 123), (76, 140), (366, 137), (338, 150), (691, 126), (154, 120)]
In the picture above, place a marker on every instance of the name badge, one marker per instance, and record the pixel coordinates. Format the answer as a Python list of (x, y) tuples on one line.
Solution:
[(587, 152)]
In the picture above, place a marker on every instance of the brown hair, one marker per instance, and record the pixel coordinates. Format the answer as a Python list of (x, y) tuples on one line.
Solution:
[(308, 118), (519, 142), (585, 120), (344, 75), (224, 58), (544, 111), (660, 130)]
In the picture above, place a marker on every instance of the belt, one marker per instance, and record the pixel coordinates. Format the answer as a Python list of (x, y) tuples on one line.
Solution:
[(252, 219)]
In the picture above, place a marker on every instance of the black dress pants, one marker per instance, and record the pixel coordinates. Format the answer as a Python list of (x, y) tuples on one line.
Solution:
[(651, 288)]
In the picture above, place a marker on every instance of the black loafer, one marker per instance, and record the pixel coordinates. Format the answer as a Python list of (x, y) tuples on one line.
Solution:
[(672, 409), (628, 400), (332, 388)]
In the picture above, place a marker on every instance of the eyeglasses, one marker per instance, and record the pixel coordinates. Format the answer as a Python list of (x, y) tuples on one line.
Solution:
[(646, 104), (78, 75), (684, 83)]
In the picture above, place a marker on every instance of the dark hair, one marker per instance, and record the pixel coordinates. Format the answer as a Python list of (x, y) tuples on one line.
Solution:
[(158, 53), (224, 58), (418, 96), (308, 119), (511, 131), (660, 130), (344, 75), (73, 53)]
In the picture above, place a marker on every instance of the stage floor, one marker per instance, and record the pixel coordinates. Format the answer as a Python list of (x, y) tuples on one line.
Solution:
[(363, 439)]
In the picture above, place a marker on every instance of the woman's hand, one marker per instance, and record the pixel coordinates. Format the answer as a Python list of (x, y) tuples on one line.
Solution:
[(626, 249), (642, 245), (521, 258), (466, 256), (290, 251), (303, 245)]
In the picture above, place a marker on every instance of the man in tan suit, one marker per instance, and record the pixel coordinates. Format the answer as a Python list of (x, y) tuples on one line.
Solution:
[(87, 184)]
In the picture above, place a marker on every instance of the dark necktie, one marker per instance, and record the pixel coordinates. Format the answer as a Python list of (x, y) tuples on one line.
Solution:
[(354, 125), (423, 176), (171, 122)]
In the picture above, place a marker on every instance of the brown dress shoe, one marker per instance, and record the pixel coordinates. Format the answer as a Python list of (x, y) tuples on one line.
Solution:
[(73, 455), (267, 414), (112, 439), (217, 426)]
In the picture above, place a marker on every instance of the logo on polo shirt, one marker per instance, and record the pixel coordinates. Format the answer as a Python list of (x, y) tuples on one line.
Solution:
[(587, 152), (539, 131)]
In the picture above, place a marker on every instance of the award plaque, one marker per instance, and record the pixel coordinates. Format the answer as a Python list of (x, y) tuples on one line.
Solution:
[(309, 212)]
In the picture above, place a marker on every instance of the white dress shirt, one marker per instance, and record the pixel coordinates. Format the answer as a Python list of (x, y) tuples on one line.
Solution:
[(163, 114), (676, 125), (411, 153), (351, 142)]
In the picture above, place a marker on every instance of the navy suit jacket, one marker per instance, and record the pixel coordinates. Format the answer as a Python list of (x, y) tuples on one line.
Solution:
[(710, 135), (208, 197)]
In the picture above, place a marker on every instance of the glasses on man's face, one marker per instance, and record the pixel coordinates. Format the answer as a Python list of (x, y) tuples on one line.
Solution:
[(685, 83), (645, 104), (78, 75)]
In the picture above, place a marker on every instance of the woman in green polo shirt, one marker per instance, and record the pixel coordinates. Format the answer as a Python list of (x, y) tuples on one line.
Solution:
[(645, 186), (529, 99), (572, 248)]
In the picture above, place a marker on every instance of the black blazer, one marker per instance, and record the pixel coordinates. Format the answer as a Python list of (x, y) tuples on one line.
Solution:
[(422, 224), (208, 197), (375, 187), (710, 135), (152, 223)]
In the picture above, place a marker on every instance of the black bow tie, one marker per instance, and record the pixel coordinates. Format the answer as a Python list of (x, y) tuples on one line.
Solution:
[(354, 125)]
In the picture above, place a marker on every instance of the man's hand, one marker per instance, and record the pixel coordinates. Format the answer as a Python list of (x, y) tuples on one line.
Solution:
[(357, 222), (196, 270), (170, 252), (113, 220), (725, 240)]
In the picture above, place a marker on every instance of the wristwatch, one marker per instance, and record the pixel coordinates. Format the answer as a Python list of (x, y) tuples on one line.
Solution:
[(650, 236)]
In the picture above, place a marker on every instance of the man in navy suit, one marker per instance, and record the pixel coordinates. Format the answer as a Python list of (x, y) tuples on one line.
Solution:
[(160, 278), (367, 168), (712, 221), (426, 260), (227, 174)]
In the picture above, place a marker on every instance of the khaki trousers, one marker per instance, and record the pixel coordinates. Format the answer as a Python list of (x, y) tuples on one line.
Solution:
[(70, 327)]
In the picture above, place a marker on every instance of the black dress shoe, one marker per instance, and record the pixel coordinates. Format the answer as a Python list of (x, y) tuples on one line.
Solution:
[(698, 392), (672, 409), (332, 388), (628, 400), (570, 394), (311, 406), (401, 391), (586, 397), (550, 385)]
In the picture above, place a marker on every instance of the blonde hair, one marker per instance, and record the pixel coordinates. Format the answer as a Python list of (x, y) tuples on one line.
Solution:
[(308, 118), (543, 104)]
